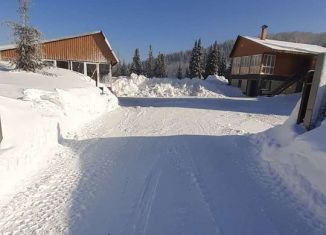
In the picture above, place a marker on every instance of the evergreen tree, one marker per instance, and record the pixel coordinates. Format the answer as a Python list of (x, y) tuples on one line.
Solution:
[(124, 69), (150, 63), (192, 61), (179, 73), (212, 64), (187, 73), (136, 66), (160, 68), (196, 61), (29, 54), (222, 69)]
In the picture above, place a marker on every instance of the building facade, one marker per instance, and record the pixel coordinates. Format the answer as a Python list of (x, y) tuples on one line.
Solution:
[(261, 66)]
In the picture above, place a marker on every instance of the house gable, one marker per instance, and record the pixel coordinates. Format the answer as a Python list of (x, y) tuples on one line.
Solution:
[(246, 47)]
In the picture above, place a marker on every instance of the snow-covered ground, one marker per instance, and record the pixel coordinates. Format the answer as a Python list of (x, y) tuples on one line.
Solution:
[(175, 165), (32, 107), (140, 86), (299, 159)]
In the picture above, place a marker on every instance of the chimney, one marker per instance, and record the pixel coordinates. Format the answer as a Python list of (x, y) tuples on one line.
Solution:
[(263, 34)]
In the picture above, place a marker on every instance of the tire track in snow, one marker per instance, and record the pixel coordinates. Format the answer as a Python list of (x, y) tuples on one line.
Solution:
[(183, 161), (195, 175), (143, 208)]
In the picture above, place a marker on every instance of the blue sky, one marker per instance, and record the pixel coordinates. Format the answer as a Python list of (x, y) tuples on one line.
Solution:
[(169, 25)]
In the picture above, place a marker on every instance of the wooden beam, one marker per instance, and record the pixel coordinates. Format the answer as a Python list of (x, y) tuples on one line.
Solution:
[(110, 70), (264, 76), (85, 68), (97, 74)]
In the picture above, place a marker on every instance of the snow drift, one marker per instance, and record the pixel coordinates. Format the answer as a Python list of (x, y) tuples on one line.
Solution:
[(141, 86), (30, 118), (298, 158)]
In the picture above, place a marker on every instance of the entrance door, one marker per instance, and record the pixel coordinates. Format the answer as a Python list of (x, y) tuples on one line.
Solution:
[(252, 88)]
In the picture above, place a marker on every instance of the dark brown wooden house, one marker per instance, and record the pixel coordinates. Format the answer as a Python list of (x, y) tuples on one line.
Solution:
[(261, 66), (90, 54)]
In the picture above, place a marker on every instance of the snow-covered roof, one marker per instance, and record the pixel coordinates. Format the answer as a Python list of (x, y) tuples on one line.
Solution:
[(291, 47), (13, 46), (7, 47)]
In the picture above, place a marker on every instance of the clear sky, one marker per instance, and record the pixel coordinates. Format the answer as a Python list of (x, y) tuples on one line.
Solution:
[(169, 25)]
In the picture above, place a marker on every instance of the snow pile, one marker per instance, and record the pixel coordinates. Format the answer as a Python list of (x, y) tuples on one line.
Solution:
[(141, 86), (299, 158), (30, 124)]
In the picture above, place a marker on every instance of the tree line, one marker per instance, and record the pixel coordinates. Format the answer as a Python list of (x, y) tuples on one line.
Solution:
[(200, 64)]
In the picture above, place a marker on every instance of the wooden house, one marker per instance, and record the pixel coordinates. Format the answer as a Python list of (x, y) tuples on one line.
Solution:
[(89, 53), (261, 66)]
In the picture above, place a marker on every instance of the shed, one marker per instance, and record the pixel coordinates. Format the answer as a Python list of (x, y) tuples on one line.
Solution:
[(89, 53)]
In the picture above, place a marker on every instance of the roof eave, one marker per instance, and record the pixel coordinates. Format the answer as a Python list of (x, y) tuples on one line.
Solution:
[(113, 53)]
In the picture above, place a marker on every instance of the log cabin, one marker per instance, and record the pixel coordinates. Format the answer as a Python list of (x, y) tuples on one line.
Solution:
[(261, 66), (89, 53)]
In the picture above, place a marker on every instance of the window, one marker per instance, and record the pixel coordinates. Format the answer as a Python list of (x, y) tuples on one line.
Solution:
[(236, 65), (255, 64), (245, 64), (268, 64)]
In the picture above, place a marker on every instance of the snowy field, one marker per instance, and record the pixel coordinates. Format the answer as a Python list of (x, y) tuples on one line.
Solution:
[(218, 163)]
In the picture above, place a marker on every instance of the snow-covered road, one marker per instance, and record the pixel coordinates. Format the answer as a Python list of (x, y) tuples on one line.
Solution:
[(163, 166)]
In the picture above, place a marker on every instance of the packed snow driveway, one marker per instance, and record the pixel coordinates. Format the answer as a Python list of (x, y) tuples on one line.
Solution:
[(162, 166)]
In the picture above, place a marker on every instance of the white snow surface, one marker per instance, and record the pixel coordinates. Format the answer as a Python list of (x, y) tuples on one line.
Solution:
[(289, 46), (141, 86), (192, 165), (30, 123), (298, 157)]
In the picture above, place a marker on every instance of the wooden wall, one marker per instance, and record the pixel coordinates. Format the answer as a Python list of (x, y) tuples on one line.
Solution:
[(90, 48), (287, 64), (245, 47)]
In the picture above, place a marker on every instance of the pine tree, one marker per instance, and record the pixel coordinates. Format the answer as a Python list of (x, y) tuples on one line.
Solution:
[(124, 69), (150, 63), (179, 73), (29, 53), (222, 70), (212, 64), (160, 67), (136, 66), (187, 73), (196, 61)]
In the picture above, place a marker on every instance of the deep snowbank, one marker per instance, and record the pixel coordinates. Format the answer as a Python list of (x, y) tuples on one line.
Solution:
[(30, 123), (299, 158), (140, 86)]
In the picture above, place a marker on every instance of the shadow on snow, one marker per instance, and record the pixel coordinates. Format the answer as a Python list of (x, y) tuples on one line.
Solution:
[(281, 105), (179, 185)]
